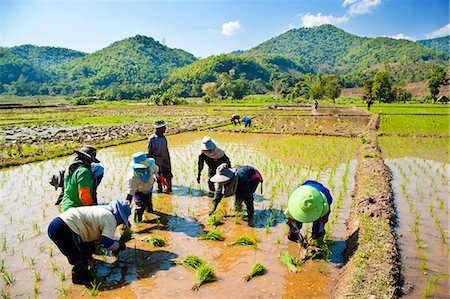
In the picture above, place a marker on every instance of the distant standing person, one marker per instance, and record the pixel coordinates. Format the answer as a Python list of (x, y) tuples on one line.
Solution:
[(310, 202), (158, 149), (235, 119), (369, 103), (241, 182), (213, 156), (79, 185), (247, 121)]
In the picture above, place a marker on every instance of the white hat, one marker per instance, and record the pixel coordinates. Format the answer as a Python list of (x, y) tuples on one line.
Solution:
[(223, 174), (208, 144)]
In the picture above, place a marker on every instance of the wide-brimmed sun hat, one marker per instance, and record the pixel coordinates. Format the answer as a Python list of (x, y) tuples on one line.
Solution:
[(307, 204), (121, 207), (208, 143), (88, 152), (223, 174), (159, 124), (140, 160)]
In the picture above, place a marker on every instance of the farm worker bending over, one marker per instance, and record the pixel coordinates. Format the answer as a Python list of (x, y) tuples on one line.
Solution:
[(235, 119), (310, 202), (157, 149), (79, 185), (78, 230), (140, 183), (213, 156), (247, 121), (240, 182)]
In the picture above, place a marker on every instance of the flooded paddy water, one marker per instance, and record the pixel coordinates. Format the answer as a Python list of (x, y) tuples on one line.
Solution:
[(36, 268), (420, 183)]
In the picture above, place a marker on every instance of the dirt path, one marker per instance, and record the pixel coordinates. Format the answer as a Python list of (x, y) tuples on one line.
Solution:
[(373, 264)]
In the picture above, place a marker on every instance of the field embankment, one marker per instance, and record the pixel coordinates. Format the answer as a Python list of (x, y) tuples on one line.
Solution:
[(373, 264)]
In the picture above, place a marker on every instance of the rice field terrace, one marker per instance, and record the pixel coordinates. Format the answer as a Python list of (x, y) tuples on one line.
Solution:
[(179, 248), (181, 218)]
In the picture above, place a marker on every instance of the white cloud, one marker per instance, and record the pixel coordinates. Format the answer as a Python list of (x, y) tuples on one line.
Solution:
[(443, 31), (231, 28), (403, 36), (310, 20), (360, 7)]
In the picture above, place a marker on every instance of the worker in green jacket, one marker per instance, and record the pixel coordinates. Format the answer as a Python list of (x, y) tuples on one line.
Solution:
[(78, 181)]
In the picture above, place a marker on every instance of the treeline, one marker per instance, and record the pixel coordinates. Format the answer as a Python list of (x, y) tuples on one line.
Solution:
[(140, 67)]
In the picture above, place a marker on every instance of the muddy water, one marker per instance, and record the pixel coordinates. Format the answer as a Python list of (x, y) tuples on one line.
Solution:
[(142, 271), (421, 191)]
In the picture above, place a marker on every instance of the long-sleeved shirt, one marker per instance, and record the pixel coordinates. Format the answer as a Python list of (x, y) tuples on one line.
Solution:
[(78, 186), (137, 184), (158, 149), (212, 163)]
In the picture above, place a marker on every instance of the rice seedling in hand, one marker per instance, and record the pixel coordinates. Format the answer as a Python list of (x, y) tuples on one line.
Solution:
[(246, 241), (190, 261), (126, 235), (214, 220), (157, 241), (257, 269), (214, 235), (289, 261), (205, 273)]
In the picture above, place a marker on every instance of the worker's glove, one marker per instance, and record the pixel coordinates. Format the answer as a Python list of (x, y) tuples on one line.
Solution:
[(163, 181), (198, 179), (118, 250)]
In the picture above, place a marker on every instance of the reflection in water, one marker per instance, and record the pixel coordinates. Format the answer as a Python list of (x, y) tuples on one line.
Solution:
[(143, 271)]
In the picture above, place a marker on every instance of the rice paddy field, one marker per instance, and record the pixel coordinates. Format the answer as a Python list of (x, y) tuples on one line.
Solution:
[(323, 146)]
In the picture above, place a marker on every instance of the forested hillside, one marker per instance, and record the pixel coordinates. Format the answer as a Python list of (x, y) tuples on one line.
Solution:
[(440, 44), (140, 67)]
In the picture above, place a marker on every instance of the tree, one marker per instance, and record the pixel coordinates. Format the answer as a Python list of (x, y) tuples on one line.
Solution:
[(382, 87), (367, 93), (210, 89), (437, 78), (331, 87)]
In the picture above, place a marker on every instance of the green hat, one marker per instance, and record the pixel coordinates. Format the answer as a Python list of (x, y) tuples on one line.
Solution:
[(307, 204)]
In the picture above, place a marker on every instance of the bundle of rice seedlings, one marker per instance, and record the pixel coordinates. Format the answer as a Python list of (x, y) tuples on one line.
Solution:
[(214, 220), (290, 262), (214, 235), (157, 241), (190, 261), (205, 273), (246, 241), (126, 235), (257, 269)]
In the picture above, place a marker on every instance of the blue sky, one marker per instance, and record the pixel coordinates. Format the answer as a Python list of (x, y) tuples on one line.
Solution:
[(211, 27)]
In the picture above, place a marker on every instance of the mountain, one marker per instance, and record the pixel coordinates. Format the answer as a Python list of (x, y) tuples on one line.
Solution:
[(440, 44), (327, 49), (135, 60), (45, 57)]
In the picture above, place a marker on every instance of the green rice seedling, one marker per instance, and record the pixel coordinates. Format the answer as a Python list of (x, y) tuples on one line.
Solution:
[(246, 241), (53, 266), (36, 290), (50, 251), (21, 237), (126, 235), (62, 275), (94, 289), (31, 261), (436, 279), (2, 265), (8, 278), (190, 261), (205, 273), (239, 216), (4, 294), (3, 243), (214, 235), (257, 269), (37, 276), (62, 291), (35, 228), (427, 292), (157, 241), (214, 220), (289, 261)]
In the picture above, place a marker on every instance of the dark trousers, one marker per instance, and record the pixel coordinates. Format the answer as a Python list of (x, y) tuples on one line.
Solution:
[(143, 202), (211, 173), (168, 176), (70, 244), (248, 199)]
